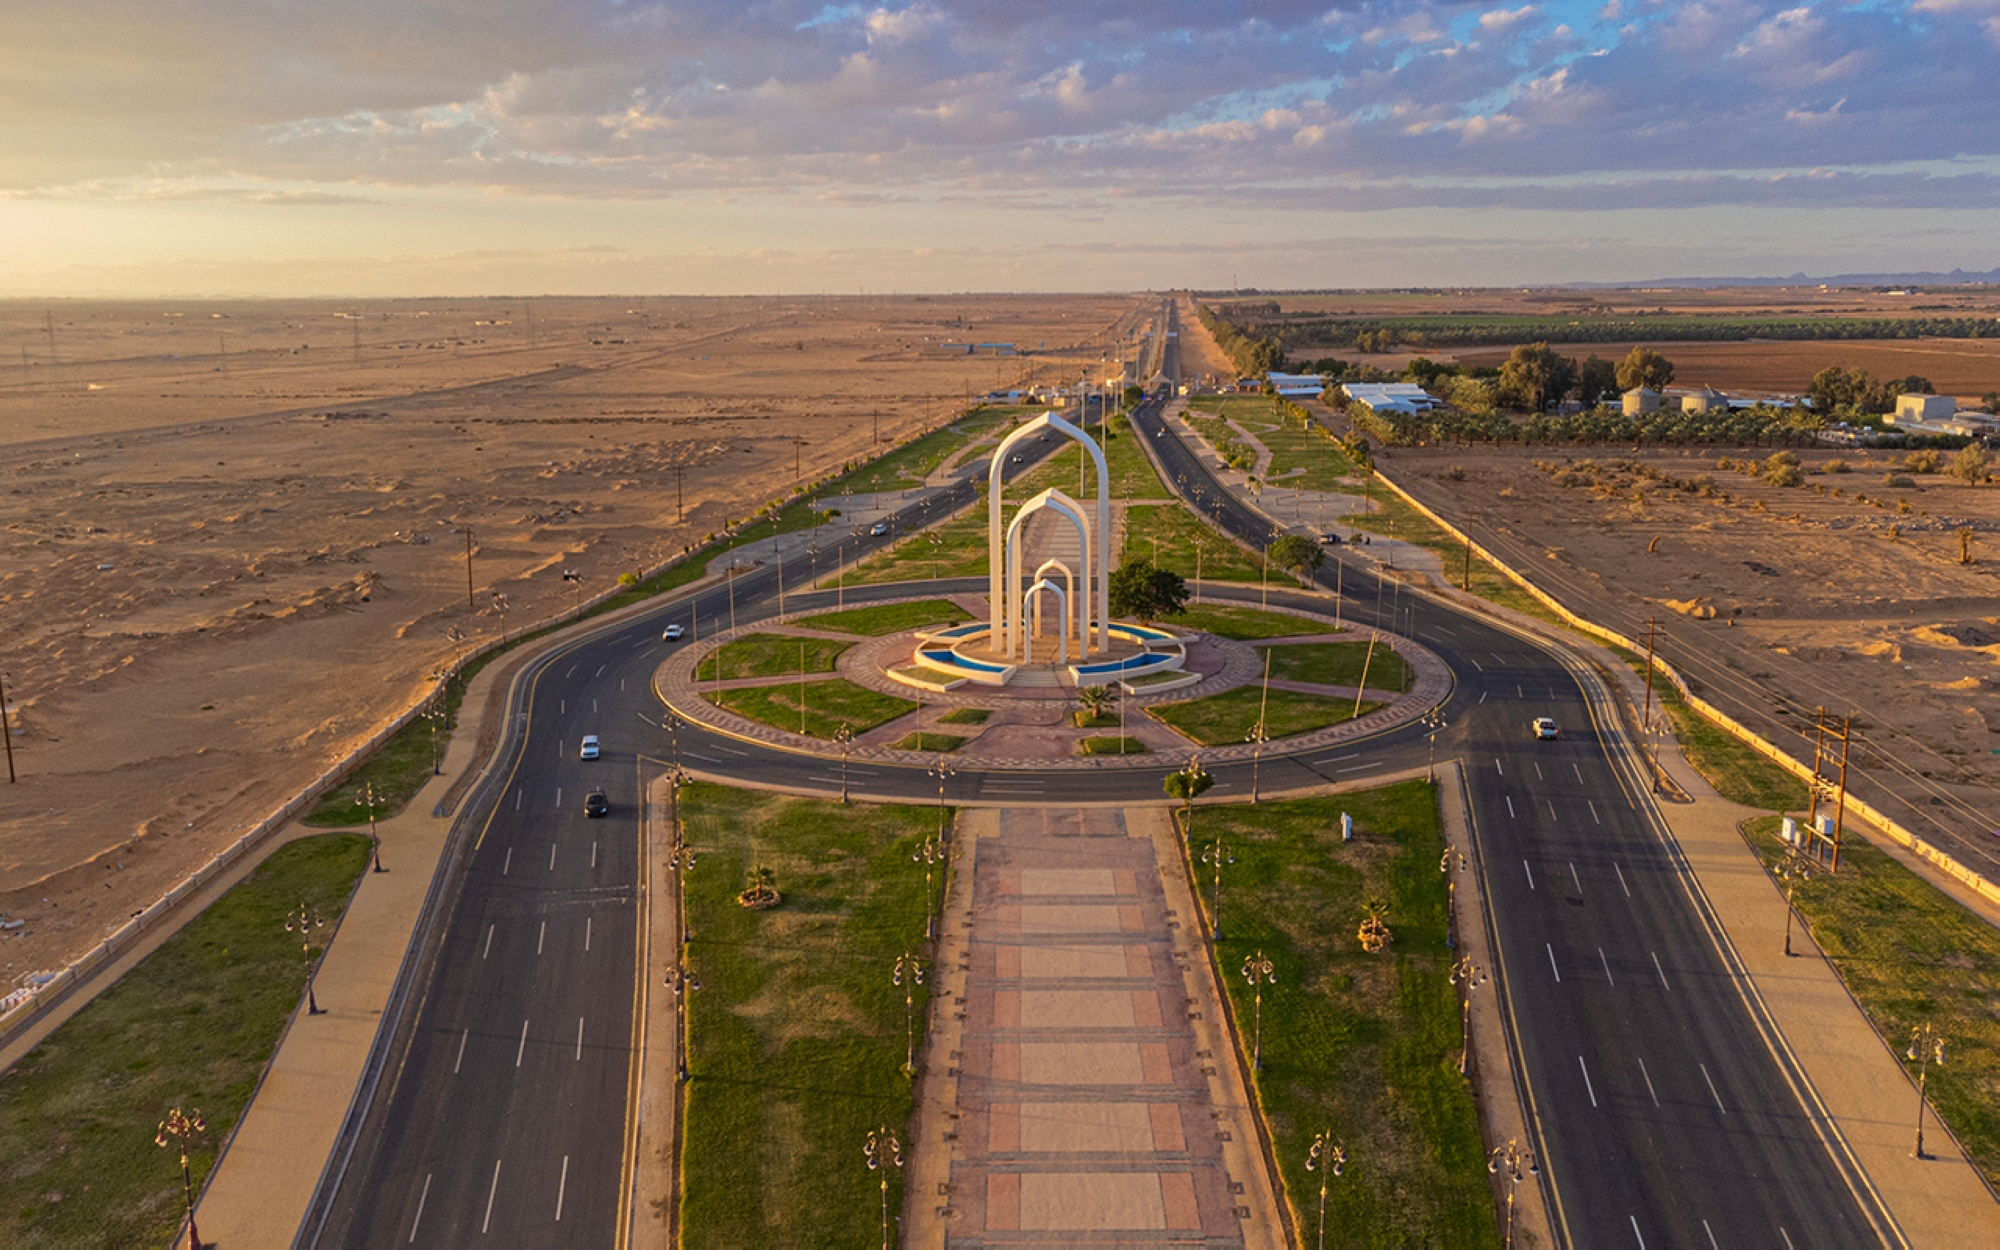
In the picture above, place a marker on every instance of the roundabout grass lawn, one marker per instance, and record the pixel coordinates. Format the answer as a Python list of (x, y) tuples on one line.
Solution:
[(828, 706), (888, 618), (966, 716), (1225, 719), (1245, 623), (770, 655), (191, 1026), (930, 742), (1166, 535), (797, 1032), (1113, 745), (1338, 664), (1361, 1046)]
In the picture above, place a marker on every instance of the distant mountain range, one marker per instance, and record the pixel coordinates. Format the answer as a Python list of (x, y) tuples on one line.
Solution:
[(1957, 277)]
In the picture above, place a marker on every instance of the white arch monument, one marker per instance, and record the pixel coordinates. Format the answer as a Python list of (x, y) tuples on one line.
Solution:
[(1004, 561)]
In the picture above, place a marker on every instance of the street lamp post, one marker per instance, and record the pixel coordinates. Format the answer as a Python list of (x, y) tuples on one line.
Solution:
[(433, 714), (928, 855), (944, 772), (884, 1152), (908, 973), (1327, 1158), (1218, 855), (683, 982), (1451, 894), (177, 1131), (1514, 1164), (844, 738), (1259, 972), (1926, 1048), (368, 792), (1794, 871), (303, 922), (1467, 976), (500, 606), (1433, 722), (671, 722)]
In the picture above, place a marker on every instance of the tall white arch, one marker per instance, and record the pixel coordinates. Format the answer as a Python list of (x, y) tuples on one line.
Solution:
[(1043, 584), (1055, 501), (1053, 565), (1003, 635)]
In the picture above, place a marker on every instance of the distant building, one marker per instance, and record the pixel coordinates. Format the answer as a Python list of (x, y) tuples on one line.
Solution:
[(1704, 400), (1403, 397), (998, 349), (1641, 400), (1296, 385), (1923, 408)]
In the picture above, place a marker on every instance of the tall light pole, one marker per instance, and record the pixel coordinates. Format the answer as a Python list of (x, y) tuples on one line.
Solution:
[(1433, 722), (302, 922), (884, 1152), (178, 1131), (1259, 972), (1218, 855), (1259, 735), (6, 729), (1451, 894), (368, 792), (1794, 871), (682, 981), (928, 855), (1327, 1158), (1513, 1164), (1467, 976), (1926, 1048), (907, 973), (1187, 785), (943, 771), (500, 606), (844, 738)]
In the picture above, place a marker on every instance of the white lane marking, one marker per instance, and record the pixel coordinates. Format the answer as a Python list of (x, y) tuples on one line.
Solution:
[(1482, 696), (732, 751), (621, 685), (1593, 813), (1621, 879), (1497, 657), (579, 1039), (1573, 877), (1335, 759), (562, 707), (491, 1190), (1607, 965), (571, 673), (558, 798), (462, 1037), (706, 759), (522, 1049), (1520, 693), (1713, 1243), (422, 1198), (488, 949), (541, 936), (1637, 1233), (1538, 771), (517, 800), (1579, 772), (1787, 1236), (1549, 946), (1358, 768), (1711, 1088), (1660, 970), (1476, 664), (562, 1187), (508, 863), (586, 933), (1588, 1088), (593, 707), (593, 854), (599, 673), (1649, 1082), (552, 857), (1497, 766), (1552, 808), (1510, 806), (1530, 872)]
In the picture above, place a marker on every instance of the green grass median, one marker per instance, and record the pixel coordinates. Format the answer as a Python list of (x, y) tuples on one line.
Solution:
[(1338, 664), (1225, 719), (827, 706), (1242, 624), (771, 655), (1362, 1046), (798, 1033), (191, 1026), (888, 618)]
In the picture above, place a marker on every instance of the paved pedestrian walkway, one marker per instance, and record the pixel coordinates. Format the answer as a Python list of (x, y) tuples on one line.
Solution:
[(1082, 1090)]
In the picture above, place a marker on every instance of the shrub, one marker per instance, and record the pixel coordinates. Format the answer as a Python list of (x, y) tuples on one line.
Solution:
[(1836, 466), (1897, 479), (1925, 461), (1455, 473), (1782, 469), (1969, 465)]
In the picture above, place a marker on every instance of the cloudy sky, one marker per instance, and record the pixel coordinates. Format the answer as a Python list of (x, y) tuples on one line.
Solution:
[(397, 147)]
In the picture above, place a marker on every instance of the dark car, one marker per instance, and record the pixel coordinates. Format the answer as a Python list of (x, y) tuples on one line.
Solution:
[(595, 804)]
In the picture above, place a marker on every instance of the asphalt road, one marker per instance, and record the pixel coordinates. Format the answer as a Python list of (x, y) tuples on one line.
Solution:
[(1665, 1119)]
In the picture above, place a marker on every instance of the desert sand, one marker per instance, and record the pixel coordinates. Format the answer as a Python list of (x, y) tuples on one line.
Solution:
[(235, 534)]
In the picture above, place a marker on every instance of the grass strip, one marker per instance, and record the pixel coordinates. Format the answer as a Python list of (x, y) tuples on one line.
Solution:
[(1395, 518), (1338, 664), (798, 1033), (191, 1026), (1113, 745), (1243, 624), (1361, 1046), (1168, 534), (1738, 772), (1911, 954), (1293, 448), (921, 741), (828, 706), (966, 716), (770, 655), (1226, 718), (889, 618)]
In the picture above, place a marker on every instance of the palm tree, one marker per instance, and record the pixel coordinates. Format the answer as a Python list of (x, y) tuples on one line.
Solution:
[(1095, 701)]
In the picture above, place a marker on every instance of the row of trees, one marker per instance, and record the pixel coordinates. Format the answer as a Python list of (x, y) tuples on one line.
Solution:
[(1250, 352), (1404, 334), (1848, 393), (1761, 426)]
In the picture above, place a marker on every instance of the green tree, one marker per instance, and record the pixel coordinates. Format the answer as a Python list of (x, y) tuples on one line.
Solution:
[(1534, 375), (1145, 593), (1643, 366), (1297, 553), (1596, 380), (1969, 465), (1186, 786), (1092, 702), (1782, 469)]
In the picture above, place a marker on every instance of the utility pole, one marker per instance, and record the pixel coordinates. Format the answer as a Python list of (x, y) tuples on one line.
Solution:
[(1646, 717), (878, 427), (6, 729), (356, 324), (49, 323), (680, 494), (469, 605)]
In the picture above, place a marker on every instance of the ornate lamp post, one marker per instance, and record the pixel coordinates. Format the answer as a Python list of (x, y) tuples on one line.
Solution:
[(1217, 855), (1187, 785), (433, 714), (500, 606), (1327, 1158), (671, 722), (1509, 1161), (1434, 723), (682, 981), (1467, 976), (1926, 1048), (1451, 894), (1258, 971), (1794, 871), (368, 794), (844, 738), (908, 973), (1257, 737), (178, 1131), (944, 772), (929, 855), (884, 1152), (680, 861), (303, 922)]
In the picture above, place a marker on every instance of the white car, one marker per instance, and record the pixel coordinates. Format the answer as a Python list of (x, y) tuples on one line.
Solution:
[(880, 528), (1544, 727), (589, 751), (673, 634)]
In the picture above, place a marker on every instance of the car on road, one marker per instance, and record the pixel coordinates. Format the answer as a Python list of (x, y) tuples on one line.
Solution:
[(1545, 727), (595, 804), (878, 529), (673, 634), (1015, 458), (1330, 539), (590, 749)]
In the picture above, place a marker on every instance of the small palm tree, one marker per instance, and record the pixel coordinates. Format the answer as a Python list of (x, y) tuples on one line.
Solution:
[(762, 889), (1095, 701)]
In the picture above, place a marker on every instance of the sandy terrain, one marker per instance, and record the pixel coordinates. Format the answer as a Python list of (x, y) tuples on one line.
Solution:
[(233, 537), (1776, 600)]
